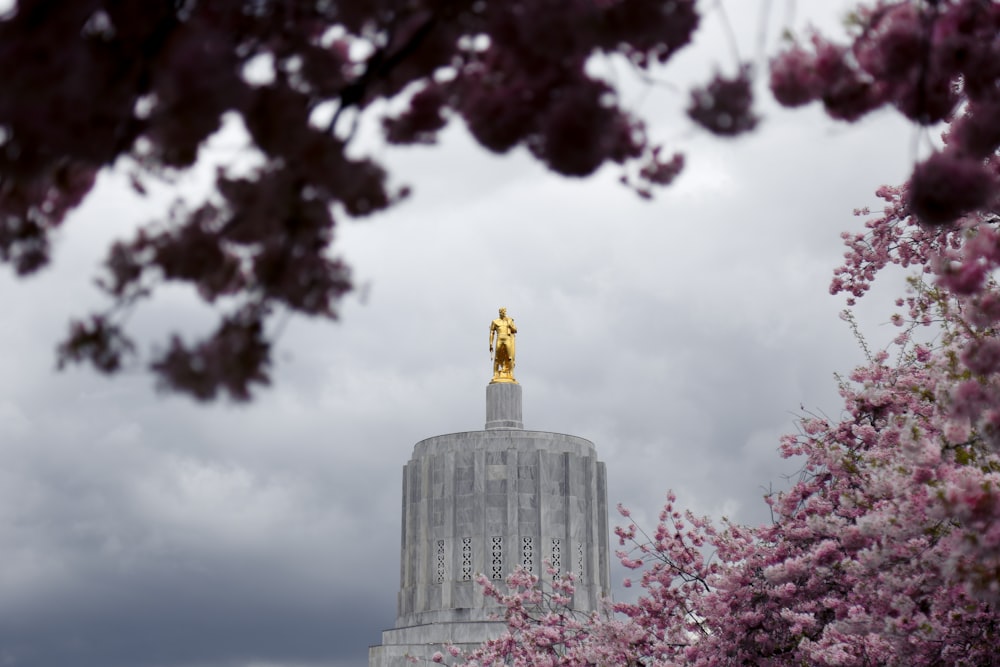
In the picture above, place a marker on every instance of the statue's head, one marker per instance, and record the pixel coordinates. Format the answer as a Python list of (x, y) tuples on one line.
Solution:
[(503, 312)]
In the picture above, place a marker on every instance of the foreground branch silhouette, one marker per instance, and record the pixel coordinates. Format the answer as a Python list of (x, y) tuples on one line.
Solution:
[(96, 83)]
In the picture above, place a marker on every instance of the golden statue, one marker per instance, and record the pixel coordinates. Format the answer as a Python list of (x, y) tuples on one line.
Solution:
[(503, 358)]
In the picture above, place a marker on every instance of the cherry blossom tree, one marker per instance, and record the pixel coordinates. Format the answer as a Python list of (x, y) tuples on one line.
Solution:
[(955, 298)]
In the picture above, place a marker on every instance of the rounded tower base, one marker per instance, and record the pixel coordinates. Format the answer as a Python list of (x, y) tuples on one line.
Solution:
[(485, 503)]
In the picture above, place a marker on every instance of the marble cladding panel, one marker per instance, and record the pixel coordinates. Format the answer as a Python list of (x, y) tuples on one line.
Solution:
[(496, 476), (463, 594), (527, 478), (466, 518), (495, 470), (554, 487), (464, 481), (496, 486), (577, 473), (496, 515), (554, 473), (496, 506), (413, 482), (439, 507), (406, 599), (434, 597)]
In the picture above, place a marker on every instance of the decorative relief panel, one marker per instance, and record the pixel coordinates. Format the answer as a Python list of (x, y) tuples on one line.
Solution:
[(556, 557), (466, 559), (496, 567), (440, 561), (527, 553), (579, 559)]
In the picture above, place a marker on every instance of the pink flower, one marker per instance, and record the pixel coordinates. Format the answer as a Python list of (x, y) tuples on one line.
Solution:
[(957, 431), (969, 398), (794, 81), (723, 107), (982, 356), (963, 278)]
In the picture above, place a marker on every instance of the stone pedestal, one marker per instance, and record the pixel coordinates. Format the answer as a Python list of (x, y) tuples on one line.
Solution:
[(486, 502), (503, 406)]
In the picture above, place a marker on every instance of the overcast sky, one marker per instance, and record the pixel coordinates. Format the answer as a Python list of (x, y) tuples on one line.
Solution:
[(680, 335)]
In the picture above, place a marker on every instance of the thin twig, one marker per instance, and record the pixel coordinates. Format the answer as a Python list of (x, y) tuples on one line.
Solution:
[(727, 26)]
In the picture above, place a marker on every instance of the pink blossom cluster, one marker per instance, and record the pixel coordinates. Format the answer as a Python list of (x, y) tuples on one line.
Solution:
[(932, 61)]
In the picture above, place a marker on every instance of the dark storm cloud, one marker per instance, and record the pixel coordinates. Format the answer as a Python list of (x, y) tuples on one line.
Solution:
[(213, 619), (121, 547)]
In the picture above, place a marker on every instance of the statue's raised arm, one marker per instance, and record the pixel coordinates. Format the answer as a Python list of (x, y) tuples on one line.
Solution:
[(502, 332)]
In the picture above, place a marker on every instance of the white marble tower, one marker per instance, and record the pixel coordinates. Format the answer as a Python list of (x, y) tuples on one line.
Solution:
[(486, 502)]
